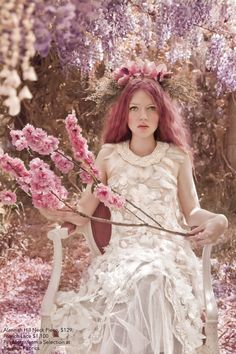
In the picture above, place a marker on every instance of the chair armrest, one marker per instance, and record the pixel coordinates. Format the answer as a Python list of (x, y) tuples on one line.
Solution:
[(86, 230), (209, 298), (56, 235)]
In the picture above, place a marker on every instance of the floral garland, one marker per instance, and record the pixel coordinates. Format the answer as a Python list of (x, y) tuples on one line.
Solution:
[(141, 69), (106, 90)]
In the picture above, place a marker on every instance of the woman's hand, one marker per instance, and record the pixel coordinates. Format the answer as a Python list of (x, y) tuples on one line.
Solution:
[(209, 231), (61, 215), (70, 227)]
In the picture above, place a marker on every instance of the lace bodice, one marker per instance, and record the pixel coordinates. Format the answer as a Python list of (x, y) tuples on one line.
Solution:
[(149, 182)]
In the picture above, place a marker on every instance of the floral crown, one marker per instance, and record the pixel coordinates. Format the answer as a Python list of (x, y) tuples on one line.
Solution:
[(141, 69), (108, 89)]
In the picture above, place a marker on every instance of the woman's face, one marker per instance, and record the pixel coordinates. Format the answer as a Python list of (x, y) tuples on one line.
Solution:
[(143, 115)]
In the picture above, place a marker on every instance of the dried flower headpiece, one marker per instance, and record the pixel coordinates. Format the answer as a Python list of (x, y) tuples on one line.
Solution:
[(108, 89)]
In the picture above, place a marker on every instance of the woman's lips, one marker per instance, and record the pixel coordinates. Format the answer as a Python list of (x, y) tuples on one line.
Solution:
[(142, 126)]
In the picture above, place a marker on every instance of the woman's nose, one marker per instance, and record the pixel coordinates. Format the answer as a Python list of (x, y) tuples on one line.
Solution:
[(143, 114)]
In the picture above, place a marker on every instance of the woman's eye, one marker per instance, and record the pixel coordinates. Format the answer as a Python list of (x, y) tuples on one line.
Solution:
[(152, 108), (133, 108)]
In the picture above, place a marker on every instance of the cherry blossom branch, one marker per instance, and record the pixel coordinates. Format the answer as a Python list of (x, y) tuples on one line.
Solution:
[(38, 140), (106, 221), (113, 190)]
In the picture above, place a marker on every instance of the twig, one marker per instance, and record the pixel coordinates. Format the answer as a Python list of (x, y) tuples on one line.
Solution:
[(105, 221), (138, 208), (231, 34)]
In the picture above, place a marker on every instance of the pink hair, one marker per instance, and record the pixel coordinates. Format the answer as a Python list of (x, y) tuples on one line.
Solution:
[(171, 129)]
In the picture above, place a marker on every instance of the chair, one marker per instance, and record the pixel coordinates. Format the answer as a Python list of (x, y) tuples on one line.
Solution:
[(91, 231)]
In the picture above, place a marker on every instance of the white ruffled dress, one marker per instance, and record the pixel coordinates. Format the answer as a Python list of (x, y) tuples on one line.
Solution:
[(144, 294)]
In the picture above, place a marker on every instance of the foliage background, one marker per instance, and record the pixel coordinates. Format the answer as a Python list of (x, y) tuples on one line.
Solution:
[(25, 252)]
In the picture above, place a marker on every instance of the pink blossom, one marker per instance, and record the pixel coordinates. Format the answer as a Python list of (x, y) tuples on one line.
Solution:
[(61, 162), (38, 163), (140, 69), (79, 142), (149, 70), (14, 166), (8, 197), (120, 72), (103, 193), (28, 130), (95, 171), (123, 80), (39, 141), (79, 147), (79, 154), (89, 158), (42, 178), (71, 122), (117, 201), (24, 183), (46, 200), (86, 177), (18, 139), (109, 198), (133, 68), (36, 139), (49, 144), (44, 182)]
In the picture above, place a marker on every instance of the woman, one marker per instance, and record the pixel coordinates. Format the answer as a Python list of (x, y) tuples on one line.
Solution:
[(144, 294)]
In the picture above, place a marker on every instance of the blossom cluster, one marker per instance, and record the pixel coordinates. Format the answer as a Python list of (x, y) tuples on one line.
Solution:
[(7, 197), (140, 69), (223, 61), (108, 197), (42, 183), (45, 186), (35, 138), (39, 181), (80, 149), (39, 141)]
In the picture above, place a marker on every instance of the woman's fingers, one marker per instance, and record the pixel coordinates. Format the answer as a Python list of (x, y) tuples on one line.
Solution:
[(197, 229), (71, 227)]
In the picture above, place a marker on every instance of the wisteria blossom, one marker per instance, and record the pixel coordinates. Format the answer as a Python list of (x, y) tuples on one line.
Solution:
[(7, 197), (17, 49)]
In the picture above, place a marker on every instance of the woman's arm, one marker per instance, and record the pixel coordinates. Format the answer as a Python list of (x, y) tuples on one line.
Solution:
[(87, 204), (207, 224)]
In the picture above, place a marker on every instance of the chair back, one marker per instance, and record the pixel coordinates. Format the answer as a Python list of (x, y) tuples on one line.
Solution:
[(100, 230)]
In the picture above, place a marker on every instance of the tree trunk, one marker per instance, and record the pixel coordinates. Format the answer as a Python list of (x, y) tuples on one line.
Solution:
[(231, 134)]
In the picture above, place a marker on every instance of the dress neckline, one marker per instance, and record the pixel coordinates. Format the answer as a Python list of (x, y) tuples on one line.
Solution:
[(155, 156)]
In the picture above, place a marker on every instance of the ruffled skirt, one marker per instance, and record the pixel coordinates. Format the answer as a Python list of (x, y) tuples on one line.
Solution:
[(136, 298)]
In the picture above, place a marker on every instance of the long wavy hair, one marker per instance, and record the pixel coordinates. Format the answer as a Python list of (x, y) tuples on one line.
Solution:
[(171, 127)]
